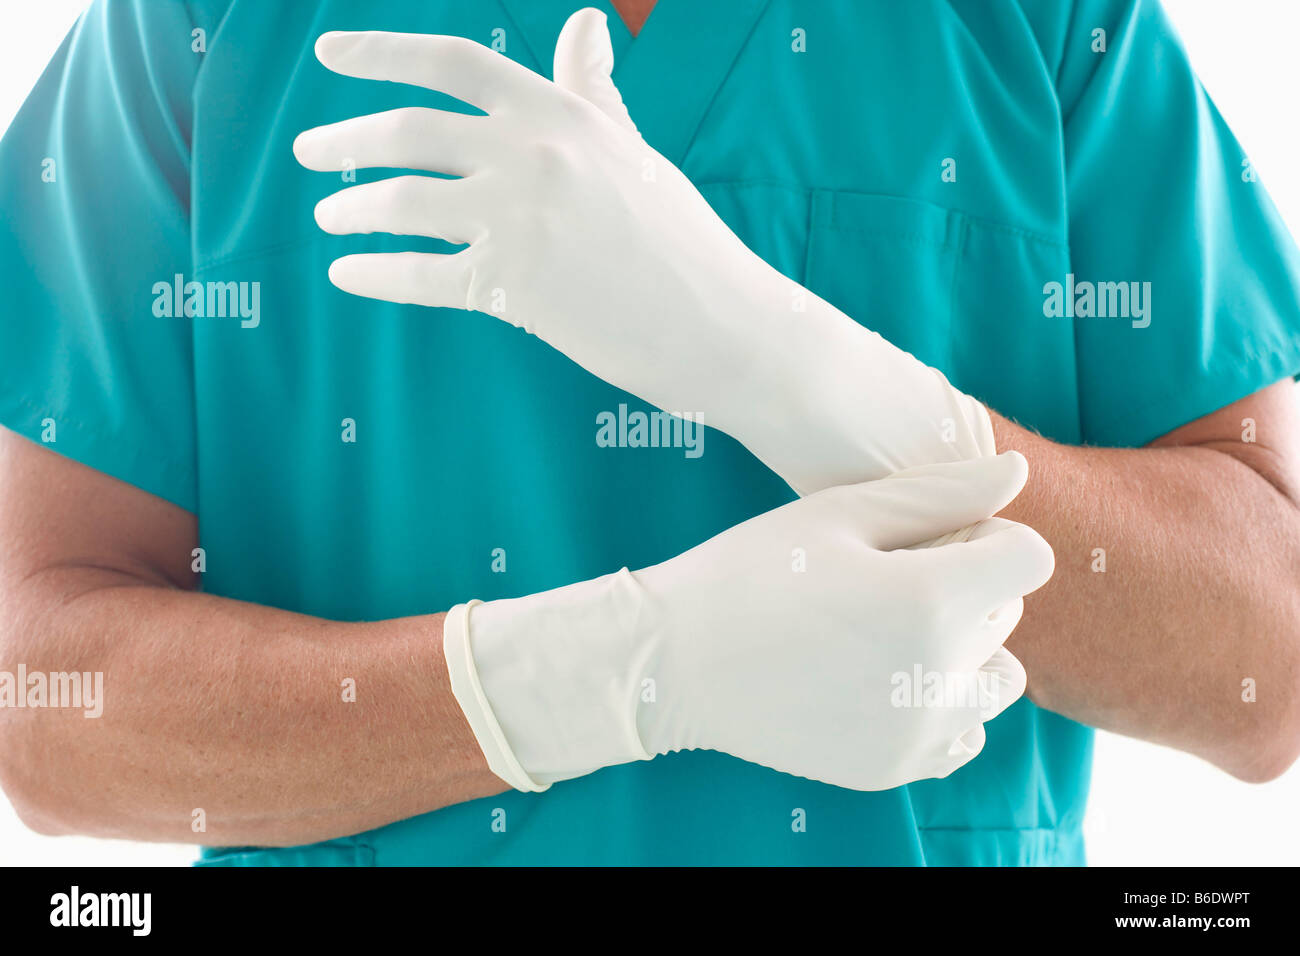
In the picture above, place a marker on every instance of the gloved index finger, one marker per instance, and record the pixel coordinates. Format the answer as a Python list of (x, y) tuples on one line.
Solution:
[(917, 505), (453, 65)]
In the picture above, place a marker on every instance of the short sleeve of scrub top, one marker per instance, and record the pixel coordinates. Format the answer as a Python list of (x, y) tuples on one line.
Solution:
[(97, 212), (1163, 200)]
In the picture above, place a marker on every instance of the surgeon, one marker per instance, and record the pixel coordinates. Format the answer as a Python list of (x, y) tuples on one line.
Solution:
[(869, 246)]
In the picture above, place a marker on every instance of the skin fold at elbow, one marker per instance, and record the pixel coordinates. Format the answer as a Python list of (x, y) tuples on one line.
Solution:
[(1268, 744)]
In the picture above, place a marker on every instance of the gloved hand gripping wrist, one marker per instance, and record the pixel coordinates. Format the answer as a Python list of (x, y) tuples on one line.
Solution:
[(776, 641)]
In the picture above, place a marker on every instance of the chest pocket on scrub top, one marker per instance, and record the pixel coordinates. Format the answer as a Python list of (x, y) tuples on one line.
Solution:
[(890, 264)]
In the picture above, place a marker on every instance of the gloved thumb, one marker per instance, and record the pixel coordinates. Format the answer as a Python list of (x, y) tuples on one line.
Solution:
[(584, 61), (916, 506)]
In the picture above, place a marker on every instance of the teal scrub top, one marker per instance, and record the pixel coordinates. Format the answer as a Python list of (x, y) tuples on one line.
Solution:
[(929, 167)]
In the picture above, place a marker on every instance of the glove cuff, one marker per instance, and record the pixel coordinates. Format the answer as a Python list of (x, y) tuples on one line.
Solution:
[(458, 652)]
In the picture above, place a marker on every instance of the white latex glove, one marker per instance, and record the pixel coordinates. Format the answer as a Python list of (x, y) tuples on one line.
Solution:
[(781, 641), (583, 235)]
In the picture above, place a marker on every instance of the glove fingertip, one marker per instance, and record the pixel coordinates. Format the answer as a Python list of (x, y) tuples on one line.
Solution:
[(1012, 471)]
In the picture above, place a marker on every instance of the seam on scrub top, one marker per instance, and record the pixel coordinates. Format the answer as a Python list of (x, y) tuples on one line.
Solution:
[(994, 226), (214, 37), (963, 229), (760, 11), (758, 183), (982, 221), (895, 237), (520, 32), (1072, 25), (809, 231), (991, 225)]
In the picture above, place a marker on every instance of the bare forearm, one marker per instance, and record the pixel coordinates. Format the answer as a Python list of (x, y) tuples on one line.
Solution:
[(1176, 582), (280, 728)]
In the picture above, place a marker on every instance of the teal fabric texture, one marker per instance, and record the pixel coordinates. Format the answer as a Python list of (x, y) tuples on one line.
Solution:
[(931, 168)]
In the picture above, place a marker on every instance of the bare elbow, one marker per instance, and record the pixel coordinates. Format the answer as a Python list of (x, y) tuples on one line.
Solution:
[(1268, 744), (42, 772), (26, 783), (1265, 767), (34, 818), (27, 756)]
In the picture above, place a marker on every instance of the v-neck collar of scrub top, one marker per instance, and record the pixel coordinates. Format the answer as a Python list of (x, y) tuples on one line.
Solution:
[(670, 72)]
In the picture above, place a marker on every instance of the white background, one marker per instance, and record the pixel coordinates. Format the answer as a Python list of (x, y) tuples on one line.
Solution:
[(1149, 805)]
